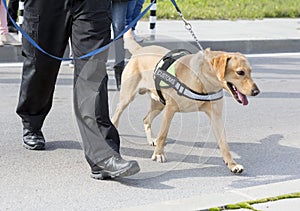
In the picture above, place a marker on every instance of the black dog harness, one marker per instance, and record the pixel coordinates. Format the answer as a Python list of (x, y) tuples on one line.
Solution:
[(165, 77)]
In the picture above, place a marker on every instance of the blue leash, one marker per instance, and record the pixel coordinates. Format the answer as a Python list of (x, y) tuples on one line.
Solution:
[(92, 53)]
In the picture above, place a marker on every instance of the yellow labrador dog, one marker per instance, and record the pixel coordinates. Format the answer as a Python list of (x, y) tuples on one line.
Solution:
[(203, 72)]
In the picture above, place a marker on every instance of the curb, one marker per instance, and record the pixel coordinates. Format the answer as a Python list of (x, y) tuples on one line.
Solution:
[(242, 46), (208, 201), (14, 53)]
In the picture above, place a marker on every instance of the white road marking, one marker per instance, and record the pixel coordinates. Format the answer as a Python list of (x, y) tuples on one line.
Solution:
[(272, 55), (111, 61), (11, 64)]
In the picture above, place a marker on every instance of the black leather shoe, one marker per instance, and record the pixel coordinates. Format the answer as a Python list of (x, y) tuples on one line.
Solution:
[(33, 139), (115, 166)]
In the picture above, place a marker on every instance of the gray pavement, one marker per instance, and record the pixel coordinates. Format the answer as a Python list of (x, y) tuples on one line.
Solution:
[(245, 36), (264, 137)]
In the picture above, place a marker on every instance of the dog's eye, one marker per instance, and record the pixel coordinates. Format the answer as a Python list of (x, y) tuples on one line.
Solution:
[(240, 72)]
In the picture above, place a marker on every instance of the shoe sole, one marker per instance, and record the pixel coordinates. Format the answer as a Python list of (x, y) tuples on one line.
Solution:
[(102, 175), (36, 147)]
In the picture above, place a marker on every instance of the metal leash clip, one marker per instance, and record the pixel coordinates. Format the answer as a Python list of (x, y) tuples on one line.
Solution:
[(188, 27)]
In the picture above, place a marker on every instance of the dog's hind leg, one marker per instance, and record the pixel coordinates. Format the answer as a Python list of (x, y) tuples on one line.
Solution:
[(155, 109), (214, 111), (127, 93)]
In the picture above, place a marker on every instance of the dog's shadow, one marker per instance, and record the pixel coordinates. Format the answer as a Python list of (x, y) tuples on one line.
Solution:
[(266, 161)]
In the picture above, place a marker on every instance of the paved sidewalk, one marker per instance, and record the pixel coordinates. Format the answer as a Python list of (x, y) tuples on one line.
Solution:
[(256, 36), (245, 36), (227, 30), (202, 203)]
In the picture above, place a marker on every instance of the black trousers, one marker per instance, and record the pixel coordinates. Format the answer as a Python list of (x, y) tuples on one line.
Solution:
[(13, 6), (50, 23)]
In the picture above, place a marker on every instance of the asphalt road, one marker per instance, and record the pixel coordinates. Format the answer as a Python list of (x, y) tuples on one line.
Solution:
[(263, 136)]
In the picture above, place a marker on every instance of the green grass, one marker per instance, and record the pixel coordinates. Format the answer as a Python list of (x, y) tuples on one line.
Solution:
[(247, 204), (228, 9)]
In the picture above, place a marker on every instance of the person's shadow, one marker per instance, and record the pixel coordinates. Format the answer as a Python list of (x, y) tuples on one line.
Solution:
[(65, 144)]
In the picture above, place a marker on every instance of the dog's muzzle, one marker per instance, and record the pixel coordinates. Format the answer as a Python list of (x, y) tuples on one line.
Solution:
[(255, 91)]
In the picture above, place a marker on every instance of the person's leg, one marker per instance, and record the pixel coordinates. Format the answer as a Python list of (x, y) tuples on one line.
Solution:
[(130, 10), (5, 37), (100, 138), (39, 70), (133, 10), (137, 10), (13, 7), (119, 10), (118, 24), (3, 20)]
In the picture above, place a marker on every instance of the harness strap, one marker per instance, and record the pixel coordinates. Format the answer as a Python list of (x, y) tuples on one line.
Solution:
[(161, 74), (191, 94), (164, 64), (161, 97)]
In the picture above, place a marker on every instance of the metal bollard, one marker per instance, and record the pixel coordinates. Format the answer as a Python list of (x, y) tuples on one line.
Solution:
[(21, 17), (152, 20)]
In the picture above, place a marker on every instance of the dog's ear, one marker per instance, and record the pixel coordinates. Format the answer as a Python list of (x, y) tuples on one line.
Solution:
[(219, 64)]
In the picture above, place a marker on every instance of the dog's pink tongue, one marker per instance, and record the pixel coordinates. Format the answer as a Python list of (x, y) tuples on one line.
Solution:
[(242, 98)]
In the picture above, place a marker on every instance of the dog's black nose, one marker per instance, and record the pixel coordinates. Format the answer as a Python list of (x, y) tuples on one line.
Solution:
[(255, 92)]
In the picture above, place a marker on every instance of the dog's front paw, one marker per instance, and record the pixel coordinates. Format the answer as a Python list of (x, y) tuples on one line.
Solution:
[(236, 169), (160, 158)]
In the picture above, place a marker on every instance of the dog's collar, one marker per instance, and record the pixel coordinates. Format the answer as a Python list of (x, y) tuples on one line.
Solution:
[(162, 75)]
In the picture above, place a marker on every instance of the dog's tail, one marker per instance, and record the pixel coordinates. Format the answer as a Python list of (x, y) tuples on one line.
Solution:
[(130, 43)]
